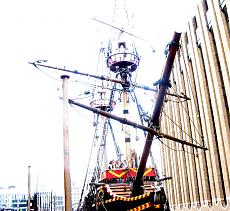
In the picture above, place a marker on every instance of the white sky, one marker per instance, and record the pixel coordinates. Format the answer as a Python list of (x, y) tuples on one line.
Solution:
[(64, 33)]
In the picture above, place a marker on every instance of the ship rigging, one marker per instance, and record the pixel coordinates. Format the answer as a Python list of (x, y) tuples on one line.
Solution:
[(125, 183), (104, 106)]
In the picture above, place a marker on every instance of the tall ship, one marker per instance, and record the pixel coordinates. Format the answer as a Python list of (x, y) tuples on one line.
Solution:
[(125, 178)]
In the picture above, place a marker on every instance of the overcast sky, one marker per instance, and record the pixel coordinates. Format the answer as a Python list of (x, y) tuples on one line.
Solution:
[(64, 33)]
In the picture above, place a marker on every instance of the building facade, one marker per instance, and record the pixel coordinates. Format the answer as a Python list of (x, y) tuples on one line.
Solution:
[(13, 202), (201, 178), (43, 201), (14, 199), (11, 198), (49, 201)]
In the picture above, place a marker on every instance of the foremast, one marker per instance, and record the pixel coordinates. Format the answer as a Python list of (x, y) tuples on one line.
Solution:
[(164, 84)]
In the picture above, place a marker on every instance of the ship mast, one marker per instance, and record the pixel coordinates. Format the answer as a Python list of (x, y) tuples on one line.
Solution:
[(123, 63), (164, 83)]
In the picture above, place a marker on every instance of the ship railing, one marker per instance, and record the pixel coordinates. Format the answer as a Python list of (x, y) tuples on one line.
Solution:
[(123, 60)]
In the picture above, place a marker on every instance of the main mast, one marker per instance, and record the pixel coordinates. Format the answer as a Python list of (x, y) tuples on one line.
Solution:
[(124, 63), (123, 60)]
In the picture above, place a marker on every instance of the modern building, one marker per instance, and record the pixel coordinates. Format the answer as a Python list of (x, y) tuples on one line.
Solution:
[(49, 201), (12, 199), (201, 178), (14, 202)]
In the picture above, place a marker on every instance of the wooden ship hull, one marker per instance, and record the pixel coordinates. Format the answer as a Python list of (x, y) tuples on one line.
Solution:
[(114, 192)]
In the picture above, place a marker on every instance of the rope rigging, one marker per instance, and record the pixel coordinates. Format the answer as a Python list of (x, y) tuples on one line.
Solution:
[(193, 95), (101, 150), (187, 113), (143, 117), (118, 151), (181, 128), (87, 170), (178, 150), (103, 77), (39, 63), (96, 174), (180, 101)]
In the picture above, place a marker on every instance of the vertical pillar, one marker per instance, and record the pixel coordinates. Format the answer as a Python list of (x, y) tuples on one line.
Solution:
[(67, 179)]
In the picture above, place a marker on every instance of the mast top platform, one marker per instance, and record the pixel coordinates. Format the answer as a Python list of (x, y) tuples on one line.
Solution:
[(102, 101), (123, 59)]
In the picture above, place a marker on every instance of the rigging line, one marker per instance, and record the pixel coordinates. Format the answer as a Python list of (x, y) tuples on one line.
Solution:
[(123, 31), (176, 150), (181, 128), (186, 69), (139, 108), (80, 113), (80, 98), (102, 147), (97, 67), (45, 72), (193, 95), (135, 77), (102, 77), (114, 10), (118, 151), (175, 101), (82, 82), (187, 113), (93, 85), (136, 125), (87, 170), (104, 132), (102, 202), (97, 168), (126, 11), (116, 130)]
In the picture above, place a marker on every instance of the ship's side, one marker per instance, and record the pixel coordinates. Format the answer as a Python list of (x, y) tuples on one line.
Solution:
[(114, 192)]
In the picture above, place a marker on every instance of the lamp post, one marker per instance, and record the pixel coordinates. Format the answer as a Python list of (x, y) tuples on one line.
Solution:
[(28, 199)]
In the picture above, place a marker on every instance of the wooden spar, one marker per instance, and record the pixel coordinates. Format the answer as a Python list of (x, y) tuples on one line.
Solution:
[(134, 124), (108, 79), (67, 179), (164, 84), (127, 129), (29, 194)]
